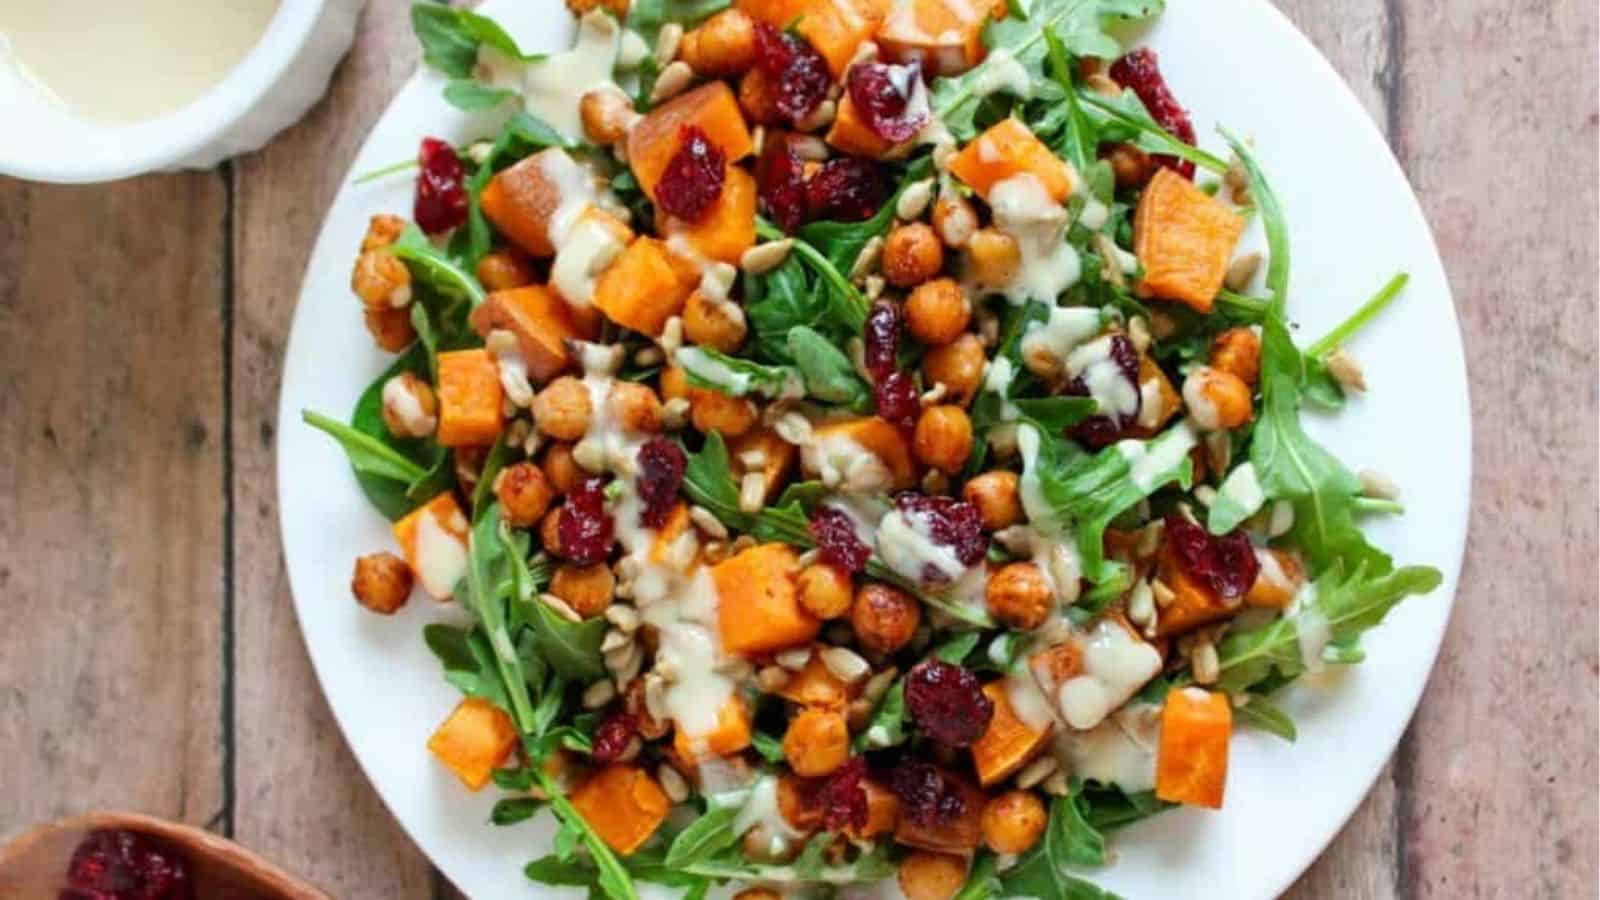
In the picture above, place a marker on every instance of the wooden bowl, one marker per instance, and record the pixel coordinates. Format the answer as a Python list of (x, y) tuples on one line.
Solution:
[(34, 866)]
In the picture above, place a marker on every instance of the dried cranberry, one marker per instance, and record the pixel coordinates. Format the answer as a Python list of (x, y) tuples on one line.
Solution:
[(883, 94), (661, 465), (612, 737), (441, 199), (928, 796), (692, 180), (781, 184), (846, 188), (1102, 430), (1227, 564), (843, 798), (584, 527), (951, 522), (799, 71), (1139, 71), (882, 338), (122, 865), (837, 541), (947, 703), (896, 396)]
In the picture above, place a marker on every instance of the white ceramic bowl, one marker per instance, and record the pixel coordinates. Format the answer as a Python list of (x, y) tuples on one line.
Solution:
[(285, 73)]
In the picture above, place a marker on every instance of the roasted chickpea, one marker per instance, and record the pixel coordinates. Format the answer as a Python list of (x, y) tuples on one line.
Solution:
[(885, 618), (1019, 596), (383, 229), (954, 219), (912, 254), (714, 411), (410, 410), (505, 269), (606, 112), (825, 590), (1013, 821), (550, 532), (993, 257), (1131, 165), (635, 407), (382, 582), (817, 742), (390, 328), (925, 875), (958, 366), (674, 383), (708, 323), (995, 495), (758, 98), (524, 494), (562, 410), (587, 589), (618, 8), (1237, 351), (937, 312), (723, 45), (943, 438), (381, 280), (1217, 400), (561, 471)]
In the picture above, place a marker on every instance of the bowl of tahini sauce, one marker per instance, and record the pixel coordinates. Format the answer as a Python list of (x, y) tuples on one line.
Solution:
[(92, 90)]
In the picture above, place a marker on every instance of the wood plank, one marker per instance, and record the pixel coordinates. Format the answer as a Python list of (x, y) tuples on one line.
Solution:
[(302, 798), (111, 316), (1497, 128)]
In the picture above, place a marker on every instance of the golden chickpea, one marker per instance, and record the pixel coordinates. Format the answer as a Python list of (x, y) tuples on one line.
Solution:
[(381, 280), (561, 471), (1019, 596), (723, 46), (410, 409), (707, 323), (925, 875), (758, 98), (825, 590), (382, 582), (993, 257), (618, 8), (606, 113), (635, 407), (1217, 400), (817, 742), (382, 230), (995, 495), (524, 494), (958, 366), (562, 410), (912, 254), (1013, 822), (550, 532), (391, 328), (943, 438), (1237, 351), (674, 383), (587, 589), (505, 269), (1131, 165), (954, 219), (715, 411), (884, 617), (937, 312)]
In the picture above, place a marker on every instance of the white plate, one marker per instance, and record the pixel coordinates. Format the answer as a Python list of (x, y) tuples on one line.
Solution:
[(1353, 222)]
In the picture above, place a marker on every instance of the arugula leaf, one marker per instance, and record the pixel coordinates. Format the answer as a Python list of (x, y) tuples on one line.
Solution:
[(981, 882), (468, 662), (1079, 139), (451, 37), (841, 242), (1264, 714), (869, 867), (572, 649), (435, 269), (785, 299), (770, 748), (827, 371), (955, 649), (1238, 498), (1069, 840), (1054, 415), (888, 725), (1128, 114), (717, 371), (473, 96), (709, 834), (846, 304), (647, 16)]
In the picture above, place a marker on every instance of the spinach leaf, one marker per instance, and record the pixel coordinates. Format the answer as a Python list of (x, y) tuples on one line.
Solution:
[(1264, 714), (572, 649), (717, 371), (435, 270), (367, 454), (512, 810), (827, 371), (451, 37), (522, 135), (1108, 807), (468, 662), (473, 96), (1069, 841), (981, 882)]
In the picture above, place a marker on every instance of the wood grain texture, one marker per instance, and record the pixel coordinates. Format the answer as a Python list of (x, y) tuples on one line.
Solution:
[(111, 470)]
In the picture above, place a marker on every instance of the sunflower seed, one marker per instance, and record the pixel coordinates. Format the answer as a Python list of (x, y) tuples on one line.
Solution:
[(599, 694), (763, 258), (673, 80)]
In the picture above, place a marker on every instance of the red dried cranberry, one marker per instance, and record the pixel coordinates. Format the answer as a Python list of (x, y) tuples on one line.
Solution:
[(121, 865), (896, 396), (1139, 71), (612, 737), (951, 522), (584, 527), (883, 95), (781, 184), (1100, 431), (843, 798), (1227, 564), (882, 338), (947, 703), (846, 188), (661, 465), (837, 541), (692, 180), (800, 72), (928, 797), (441, 199)]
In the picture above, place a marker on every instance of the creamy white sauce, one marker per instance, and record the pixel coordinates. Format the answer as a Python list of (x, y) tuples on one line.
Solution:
[(997, 379), (843, 464), (1095, 214), (1150, 405), (441, 556), (1120, 750), (864, 512), (552, 87), (1242, 488), (906, 545), (1116, 664), (1103, 376), (1030, 704), (399, 398), (761, 809), (1038, 510), (587, 249), (1023, 209), (1057, 336), (1002, 72), (574, 184), (1149, 462), (1312, 627)]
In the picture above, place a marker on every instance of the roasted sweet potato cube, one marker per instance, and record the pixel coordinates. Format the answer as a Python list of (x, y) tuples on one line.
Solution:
[(644, 287), (836, 28), (1194, 603), (758, 608), (849, 133), (847, 438), (1184, 238), (655, 139), (1009, 149), (957, 835), (542, 322), (661, 549), (590, 245), (777, 455), (1161, 401), (1009, 743), (777, 13), (469, 399), (623, 804), (522, 201), (728, 228), (731, 734), (433, 538), (1192, 759), (816, 685), (474, 741), (1280, 578), (946, 36)]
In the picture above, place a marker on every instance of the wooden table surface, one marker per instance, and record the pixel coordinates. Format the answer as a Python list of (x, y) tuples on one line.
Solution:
[(150, 657)]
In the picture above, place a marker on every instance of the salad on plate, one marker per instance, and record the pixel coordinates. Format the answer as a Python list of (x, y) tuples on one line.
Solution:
[(864, 452)]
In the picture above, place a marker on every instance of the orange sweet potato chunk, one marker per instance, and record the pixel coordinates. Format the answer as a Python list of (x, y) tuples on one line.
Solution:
[(446, 513), (1274, 589), (1008, 149), (731, 734), (522, 200), (1194, 603), (1184, 237), (729, 226), (644, 287), (758, 605), (623, 804), (677, 523), (880, 439), (836, 28), (850, 134), (1168, 401), (1008, 744), (474, 741), (946, 36), (654, 140), (542, 322), (777, 13), (1192, 759), (469, 399), (959, 835)]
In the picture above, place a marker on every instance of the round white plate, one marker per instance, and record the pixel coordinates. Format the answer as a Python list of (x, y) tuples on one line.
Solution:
[(1354, 221)]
